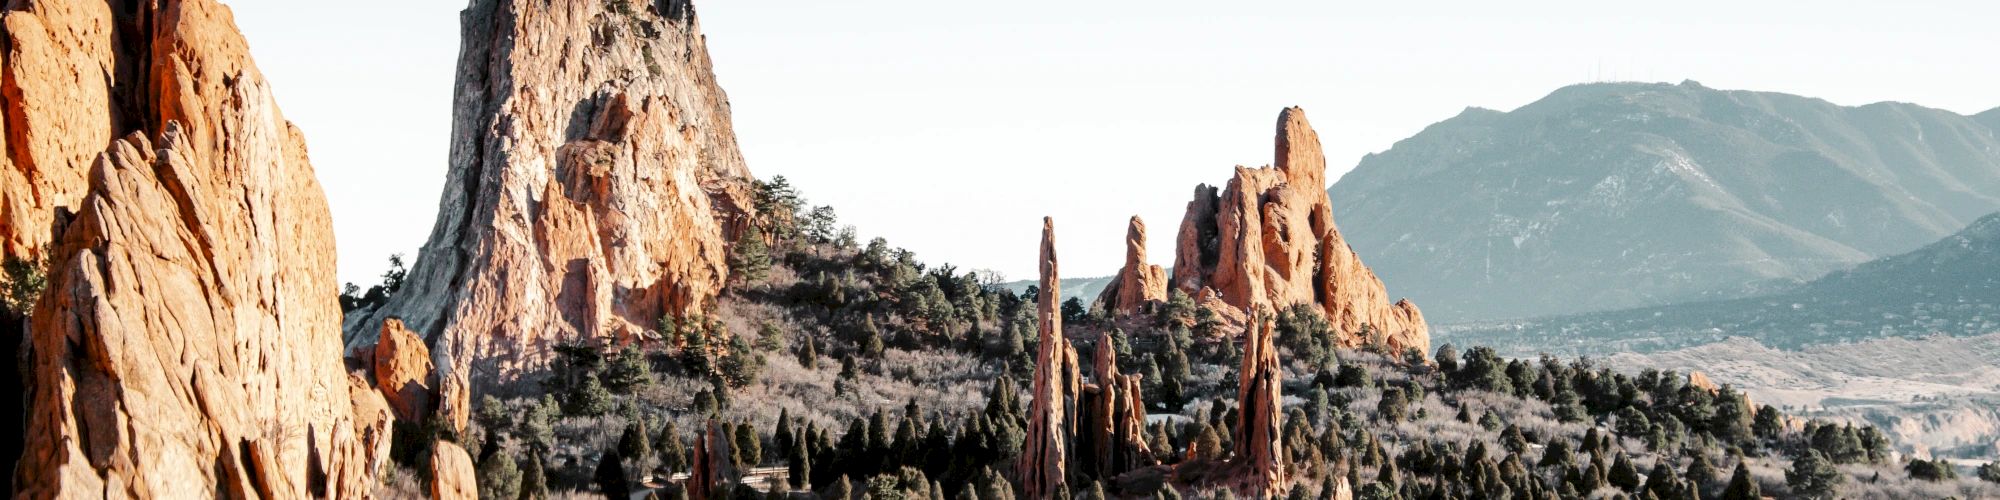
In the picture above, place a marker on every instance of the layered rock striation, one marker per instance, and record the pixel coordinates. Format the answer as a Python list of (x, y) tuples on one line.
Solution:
[(593, 185), (1267, 240), (187, 344)]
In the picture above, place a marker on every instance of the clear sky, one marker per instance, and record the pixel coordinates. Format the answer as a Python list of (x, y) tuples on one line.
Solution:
[(951, 127)]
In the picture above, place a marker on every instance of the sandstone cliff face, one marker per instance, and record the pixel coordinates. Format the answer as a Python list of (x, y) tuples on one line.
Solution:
[(593, 184), (1267, 239), (1139, 287), (188, 342), (1057, 381)]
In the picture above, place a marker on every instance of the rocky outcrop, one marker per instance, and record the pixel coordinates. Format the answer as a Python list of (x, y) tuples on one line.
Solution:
[(1057, 381), (1268, 240), (592, 187), (1260, 396), (1111, 436), (403, 371), (188, 342), (1139, 287), (452, 474), (711, 464)]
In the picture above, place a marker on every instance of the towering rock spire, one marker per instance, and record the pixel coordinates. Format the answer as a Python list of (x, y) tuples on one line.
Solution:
[(1259, 448), (1056, 384), (1113, 424), (1139, 286), (187, 344), (1267, 239), (593, 186), (711, 463)]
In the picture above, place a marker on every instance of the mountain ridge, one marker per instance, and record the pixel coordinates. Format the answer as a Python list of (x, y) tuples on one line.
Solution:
[(1941, 288), (1615, 195)]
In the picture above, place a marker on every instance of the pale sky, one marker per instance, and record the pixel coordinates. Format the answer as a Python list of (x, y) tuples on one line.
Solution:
[(951, 128)]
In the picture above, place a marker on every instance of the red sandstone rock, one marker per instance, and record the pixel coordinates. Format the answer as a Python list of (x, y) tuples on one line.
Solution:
[(1139, 287), (403, 371), (1112, 440), (1268, 240), (452, 474), (711, 462), (1260, 396), (1042, 467), (188, 342), (593, 186)]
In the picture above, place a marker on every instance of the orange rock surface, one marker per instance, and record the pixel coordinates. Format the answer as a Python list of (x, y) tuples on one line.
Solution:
[(1057, 381), (593, 185), (1267, 239), (187, 345), (1139, 287)]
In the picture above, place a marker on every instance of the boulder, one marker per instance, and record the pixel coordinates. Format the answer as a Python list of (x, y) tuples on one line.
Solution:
[(187, 344), (1267, 239), (1139, 287), (403, 371), (452, 474), (593, 186)]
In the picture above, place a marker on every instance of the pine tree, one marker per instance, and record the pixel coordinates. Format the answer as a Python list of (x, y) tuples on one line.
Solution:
[(749, 449), (798, 465), (749, 260), (673, 454)]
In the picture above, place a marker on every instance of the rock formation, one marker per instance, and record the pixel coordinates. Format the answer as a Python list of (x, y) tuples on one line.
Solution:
[(1139, 286), (1057, 381), (1268, 240), (1112, 427), (403, 371), (711, 464), (187, 344), (452, 474), (593, 184), (1260, 396)]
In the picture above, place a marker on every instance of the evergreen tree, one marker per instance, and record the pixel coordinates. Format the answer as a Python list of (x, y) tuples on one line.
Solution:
[(610, 476), (633, 443), (673, 454), (1742, 486), (534, 485), (749, 449), (798, 465), (1623, 475), (1813, 476), (499, 477), (749, 261)]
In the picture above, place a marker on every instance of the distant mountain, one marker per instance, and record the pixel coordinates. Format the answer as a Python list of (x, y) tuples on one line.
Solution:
[(1618, 195), (1990, 118), (1951, 287), (1077, 288)]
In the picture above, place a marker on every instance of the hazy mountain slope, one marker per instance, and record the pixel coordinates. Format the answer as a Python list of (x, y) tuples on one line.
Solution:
[(1990, 118), (1947, 287), (1606, 196)]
